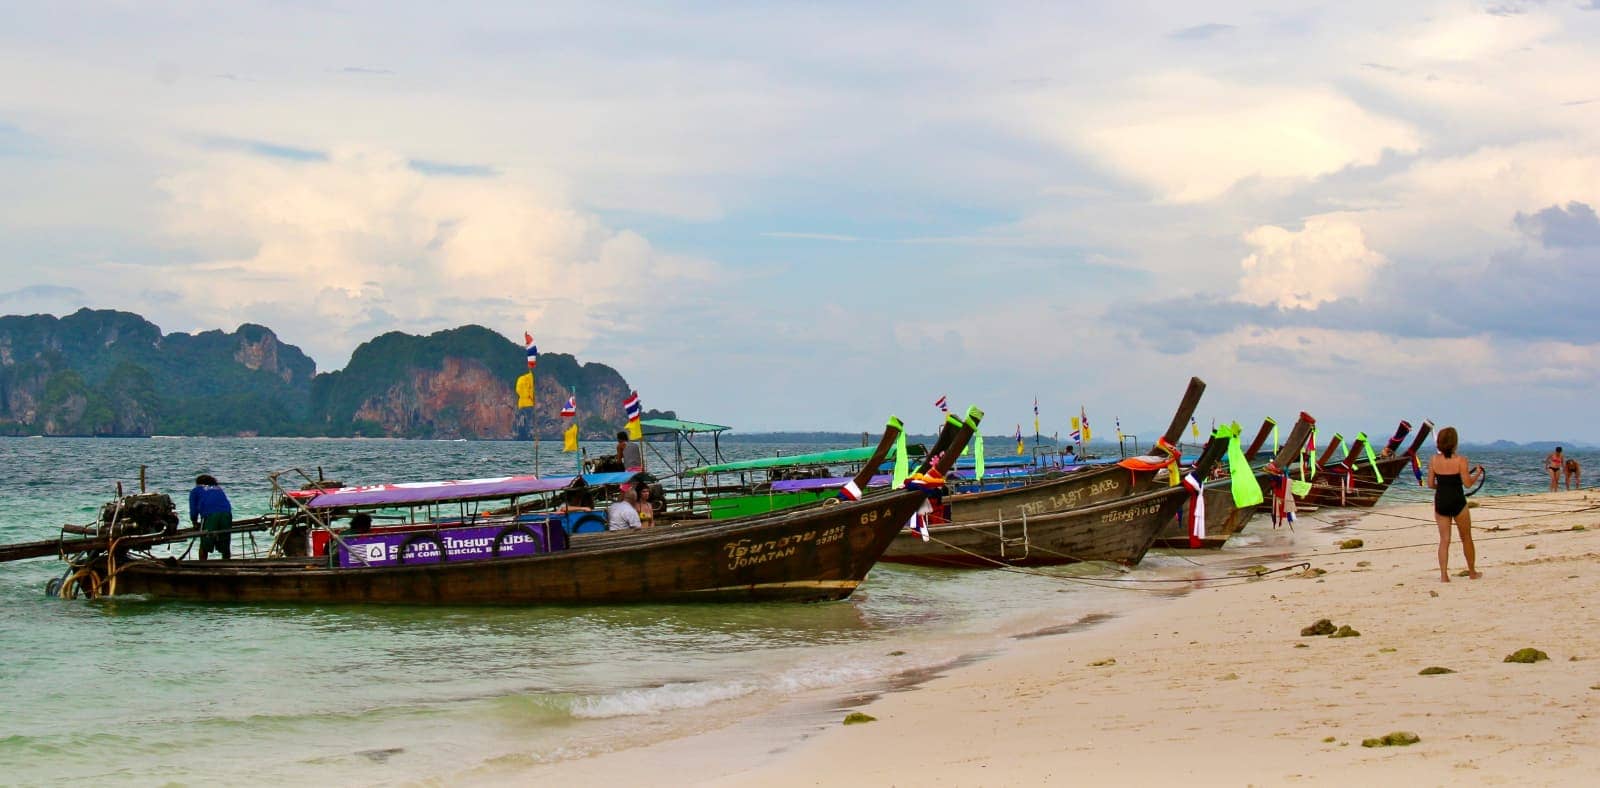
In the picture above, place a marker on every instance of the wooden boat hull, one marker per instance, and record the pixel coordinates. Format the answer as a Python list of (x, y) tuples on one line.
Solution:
[(820, 553), (1121, 531), (1084, 487), (1364, 491)]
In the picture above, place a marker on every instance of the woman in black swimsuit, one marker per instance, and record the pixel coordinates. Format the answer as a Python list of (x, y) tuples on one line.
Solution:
[(1448, 475)]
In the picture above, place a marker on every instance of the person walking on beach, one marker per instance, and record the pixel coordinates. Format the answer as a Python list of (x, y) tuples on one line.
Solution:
[(1448, 475), (1574, 477), (1554, 464), (210, 511)]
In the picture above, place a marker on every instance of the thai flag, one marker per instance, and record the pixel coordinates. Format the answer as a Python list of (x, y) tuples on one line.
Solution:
[(631, 406), (570, 410), (533, 350), (943, 403), (1076, 436)]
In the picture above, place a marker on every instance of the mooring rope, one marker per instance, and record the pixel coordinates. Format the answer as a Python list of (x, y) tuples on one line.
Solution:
[(1102, 582)]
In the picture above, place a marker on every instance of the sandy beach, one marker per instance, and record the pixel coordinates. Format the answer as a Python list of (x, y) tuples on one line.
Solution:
[(1219, 687)]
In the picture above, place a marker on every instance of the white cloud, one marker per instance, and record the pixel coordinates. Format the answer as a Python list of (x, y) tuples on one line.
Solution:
[(336, 242), (1191, 138), (1466, 33), (1326, 260)]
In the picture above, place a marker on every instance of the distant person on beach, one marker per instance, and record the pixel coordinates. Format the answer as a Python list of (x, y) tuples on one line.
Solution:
[(1553, 464), (624, 514), (1448, 474), (1574, 478), (210, 511)]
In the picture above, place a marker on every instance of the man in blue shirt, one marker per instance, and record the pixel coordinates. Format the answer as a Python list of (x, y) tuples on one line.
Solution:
[(210, 511)]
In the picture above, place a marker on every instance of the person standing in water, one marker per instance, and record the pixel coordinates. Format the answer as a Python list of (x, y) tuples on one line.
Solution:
[(1553, 464), (1574, 475), (1448, 475)]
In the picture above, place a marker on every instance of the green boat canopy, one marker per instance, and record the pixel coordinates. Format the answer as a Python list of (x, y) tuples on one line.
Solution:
[(833, 457), (671, 426)]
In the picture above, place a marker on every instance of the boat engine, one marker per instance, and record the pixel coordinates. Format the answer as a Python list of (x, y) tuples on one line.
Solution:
[(142, 514)]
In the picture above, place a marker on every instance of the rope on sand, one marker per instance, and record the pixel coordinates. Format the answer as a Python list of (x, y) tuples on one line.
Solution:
[(1110, 582)]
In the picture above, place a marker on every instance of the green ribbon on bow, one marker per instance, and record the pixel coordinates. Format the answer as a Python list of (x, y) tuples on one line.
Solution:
[(1372, 458), (977, 453), (1246, 490), (902, 467)]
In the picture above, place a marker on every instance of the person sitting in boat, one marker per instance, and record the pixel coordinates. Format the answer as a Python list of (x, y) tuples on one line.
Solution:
[(646, 507), (624, 514), (210, 511), (578, 499), (360, 523)]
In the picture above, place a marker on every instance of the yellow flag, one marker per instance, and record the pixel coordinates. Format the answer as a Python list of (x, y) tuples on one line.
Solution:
[(635, 432), (525, 390), (569, 439), (1086, 432)]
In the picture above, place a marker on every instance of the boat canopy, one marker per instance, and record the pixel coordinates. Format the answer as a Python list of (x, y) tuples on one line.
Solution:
[(674, 426), (967, 463), (798, 485), (836, 456), (417, 493)]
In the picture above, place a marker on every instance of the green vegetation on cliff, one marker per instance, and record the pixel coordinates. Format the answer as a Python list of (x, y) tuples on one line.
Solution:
[(103, 372)]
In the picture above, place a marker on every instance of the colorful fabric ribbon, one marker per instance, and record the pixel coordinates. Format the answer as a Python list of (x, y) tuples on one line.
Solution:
[(1196, 517), (902, 466), (1246, 490), (1372, 458)]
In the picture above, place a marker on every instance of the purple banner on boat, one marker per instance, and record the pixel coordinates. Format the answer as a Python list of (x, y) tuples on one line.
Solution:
[(460, 544)]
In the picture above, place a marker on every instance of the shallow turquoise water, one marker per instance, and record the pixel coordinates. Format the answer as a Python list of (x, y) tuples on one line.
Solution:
[(143, 692)]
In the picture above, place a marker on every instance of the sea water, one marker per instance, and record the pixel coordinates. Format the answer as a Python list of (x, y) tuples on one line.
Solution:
[(145, 692)]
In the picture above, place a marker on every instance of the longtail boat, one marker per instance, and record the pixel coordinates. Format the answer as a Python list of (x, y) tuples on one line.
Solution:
[(1120, 531), (821, 552), (1223, 517), (1361, 478), (1080, 487)]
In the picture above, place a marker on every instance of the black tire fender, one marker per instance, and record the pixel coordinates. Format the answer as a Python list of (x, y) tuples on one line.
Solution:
[(417, 539), (515, 528)]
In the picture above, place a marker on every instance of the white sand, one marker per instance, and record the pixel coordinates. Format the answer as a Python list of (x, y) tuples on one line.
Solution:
[(1216, 688)]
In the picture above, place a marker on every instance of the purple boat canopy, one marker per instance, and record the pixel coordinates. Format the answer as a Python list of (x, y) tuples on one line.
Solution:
[(414, 493), (796, 485)]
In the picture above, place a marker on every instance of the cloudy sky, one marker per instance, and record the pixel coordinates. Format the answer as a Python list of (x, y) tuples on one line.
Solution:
[(789, 216)]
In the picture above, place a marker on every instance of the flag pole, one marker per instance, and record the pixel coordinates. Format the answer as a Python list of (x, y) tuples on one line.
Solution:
[(1036, 426)]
